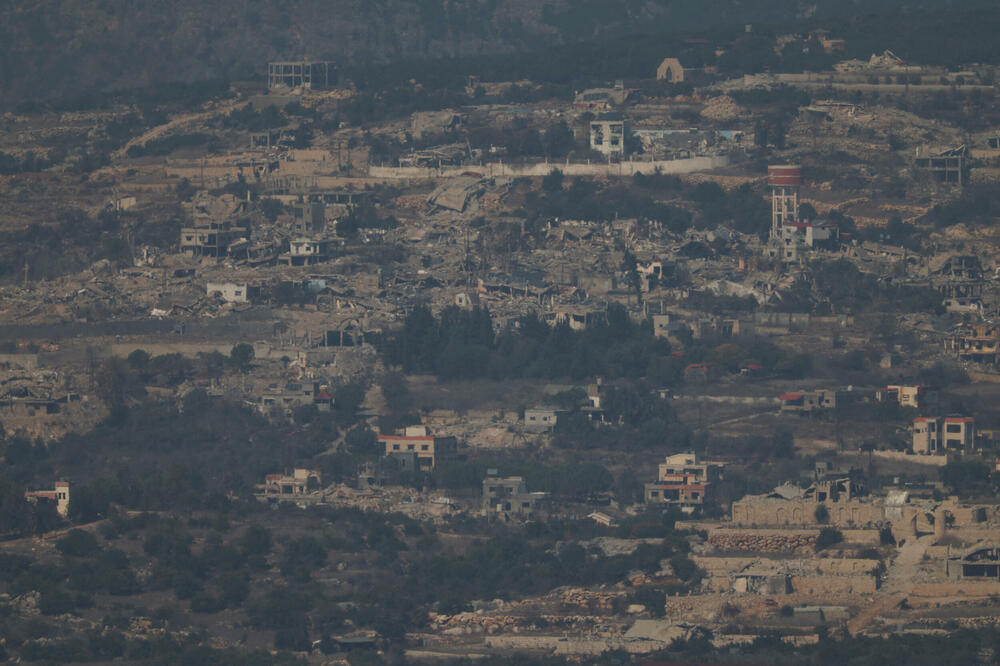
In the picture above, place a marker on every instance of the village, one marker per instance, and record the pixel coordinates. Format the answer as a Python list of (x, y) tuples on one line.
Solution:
[(723, 347)]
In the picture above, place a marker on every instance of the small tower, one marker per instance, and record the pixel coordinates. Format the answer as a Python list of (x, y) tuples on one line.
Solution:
[(785, 181)]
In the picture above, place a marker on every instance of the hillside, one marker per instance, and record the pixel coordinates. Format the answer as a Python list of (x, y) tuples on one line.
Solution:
[(56, 48)]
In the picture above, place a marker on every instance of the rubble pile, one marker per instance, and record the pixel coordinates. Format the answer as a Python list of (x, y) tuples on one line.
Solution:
[(722, 108), (761, 543), (480, 623)]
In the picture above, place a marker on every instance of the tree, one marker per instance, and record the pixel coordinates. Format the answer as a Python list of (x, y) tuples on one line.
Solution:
[(241, 355), (553, 182), (828, 536), (115, 383), (822, 514), (138, 359), (807, 212)]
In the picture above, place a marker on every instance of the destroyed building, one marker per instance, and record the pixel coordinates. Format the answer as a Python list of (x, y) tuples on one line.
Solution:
[(979, 343), (791, 505), (607, 134), (508, 497), (684, 481), (289, 487)]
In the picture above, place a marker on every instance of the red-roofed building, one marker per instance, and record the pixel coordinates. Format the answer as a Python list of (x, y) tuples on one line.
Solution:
[(806, 402), (59, 495), (683, 480), (935, 435)]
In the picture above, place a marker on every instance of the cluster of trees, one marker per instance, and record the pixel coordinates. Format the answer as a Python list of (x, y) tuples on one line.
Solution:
[(461, 344)]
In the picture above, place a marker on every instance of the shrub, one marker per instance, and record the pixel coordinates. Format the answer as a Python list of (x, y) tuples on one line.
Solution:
[(828, 536), (78, 543)]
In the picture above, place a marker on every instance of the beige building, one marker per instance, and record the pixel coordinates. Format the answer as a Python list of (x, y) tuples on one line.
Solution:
[(59, 495), (508, 497), (683, 480), (670, 70), (417, 443), (916, 396), (790, 505), (939, 435), (294, 486), (607, 134)]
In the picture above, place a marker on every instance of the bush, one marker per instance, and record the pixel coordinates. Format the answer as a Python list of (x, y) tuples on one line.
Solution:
[(828, 536), (78, 543), (822, 514)]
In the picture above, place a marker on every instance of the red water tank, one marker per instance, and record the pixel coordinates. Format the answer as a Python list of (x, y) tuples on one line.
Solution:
[(786, 175)]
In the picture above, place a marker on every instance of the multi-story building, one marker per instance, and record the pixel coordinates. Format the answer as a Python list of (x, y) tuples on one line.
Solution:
[(416, 442), (211, 239), (59, 495), (979, 343), (940, 435), (509, 497), (302, 74), (684, 480), (607, 134)]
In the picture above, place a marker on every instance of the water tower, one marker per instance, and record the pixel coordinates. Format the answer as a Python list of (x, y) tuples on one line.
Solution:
[(785, 181)]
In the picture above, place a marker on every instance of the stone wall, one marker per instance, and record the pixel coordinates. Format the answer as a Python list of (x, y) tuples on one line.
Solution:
[(776, 512), (499, 169), (771, 541)]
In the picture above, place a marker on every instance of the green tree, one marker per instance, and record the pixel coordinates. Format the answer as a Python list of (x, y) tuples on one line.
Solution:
[(241, 355), (553, 182)]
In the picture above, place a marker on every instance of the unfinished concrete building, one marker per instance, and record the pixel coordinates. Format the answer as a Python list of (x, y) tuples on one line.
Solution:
[(945, 166), (302, 74)]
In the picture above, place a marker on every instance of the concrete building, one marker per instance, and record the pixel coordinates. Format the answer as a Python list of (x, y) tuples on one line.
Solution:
[(289, 487), (230, 292), (916, 396), (305, 251), (211, 239), (806, 402), (417, 441), (540, 419), (945, 166), (790, 505), (607, 134), (683, 480), (939, 435), (979, 343), (308, 217), (59, 495), (509, 497), (670, 70), (301, 74)]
